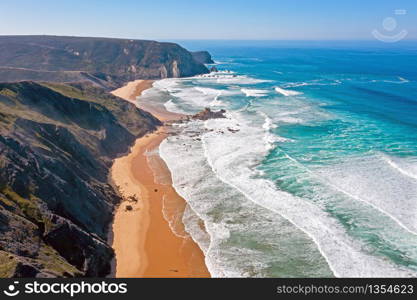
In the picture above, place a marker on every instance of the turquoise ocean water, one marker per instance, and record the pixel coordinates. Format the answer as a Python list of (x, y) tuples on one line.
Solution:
[(314, 171)]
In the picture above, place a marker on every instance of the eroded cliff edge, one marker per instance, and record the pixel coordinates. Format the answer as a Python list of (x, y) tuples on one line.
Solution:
[(105, 62), (57, 143)]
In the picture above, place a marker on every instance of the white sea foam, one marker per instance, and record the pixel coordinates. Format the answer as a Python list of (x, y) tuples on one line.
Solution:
[(195, 226), (152, 157), (287, 92), (144, 93), (379, 182), (255, 92), (168, 84), (172, 107), (230, 222), (217, 62), (268, 125), (399, 81), (290, 112), (231, 160), (404, 166), (217, 175), (173, 214), (216, 102), (220, 72), (189, 98), (403, 79), (269, 138), (193, 98), (229, 79), (290, 120), (208, 91), (315, 82)]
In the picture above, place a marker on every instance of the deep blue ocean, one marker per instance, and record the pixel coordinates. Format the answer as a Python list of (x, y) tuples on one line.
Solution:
[(314, 171)]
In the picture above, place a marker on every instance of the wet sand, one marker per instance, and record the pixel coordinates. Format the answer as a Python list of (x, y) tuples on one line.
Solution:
[(145, 243)]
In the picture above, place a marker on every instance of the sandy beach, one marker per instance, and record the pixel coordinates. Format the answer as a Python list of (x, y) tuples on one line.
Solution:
[(145, 243), (132, 89)]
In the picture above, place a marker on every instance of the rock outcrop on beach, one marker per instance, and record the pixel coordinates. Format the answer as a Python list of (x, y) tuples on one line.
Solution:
[(57, 143), (207, 114), (202, 57), (104, 62), (213, 69)]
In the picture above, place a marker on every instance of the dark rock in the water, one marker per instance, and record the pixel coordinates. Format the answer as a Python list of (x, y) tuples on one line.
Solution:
[(202, 57), (207, 113), (232, 130), (104, 62), (213, 69), (57, 143)]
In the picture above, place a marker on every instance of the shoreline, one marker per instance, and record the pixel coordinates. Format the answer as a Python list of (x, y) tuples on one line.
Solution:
[(132, 89), (145, 245)]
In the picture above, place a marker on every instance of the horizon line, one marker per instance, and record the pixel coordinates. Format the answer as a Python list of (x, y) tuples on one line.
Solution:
[(218, 39)]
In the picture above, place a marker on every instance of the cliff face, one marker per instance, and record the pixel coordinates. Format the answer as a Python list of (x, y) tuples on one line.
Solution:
[(104, 62), (57, 143), (202, 57)]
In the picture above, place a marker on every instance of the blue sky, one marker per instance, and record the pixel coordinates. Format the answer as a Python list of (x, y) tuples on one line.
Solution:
[(207, 19)]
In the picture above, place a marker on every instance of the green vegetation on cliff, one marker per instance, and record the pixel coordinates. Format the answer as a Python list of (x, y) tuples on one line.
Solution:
[(104, 62), (57, 143)]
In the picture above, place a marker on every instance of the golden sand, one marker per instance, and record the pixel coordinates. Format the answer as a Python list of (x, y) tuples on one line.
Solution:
[(145, 245), (132, 89)]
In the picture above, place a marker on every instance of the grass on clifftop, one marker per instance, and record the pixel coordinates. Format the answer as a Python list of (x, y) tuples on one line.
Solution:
[(8, 264), (28, 207), (47, 256), (83, 92)]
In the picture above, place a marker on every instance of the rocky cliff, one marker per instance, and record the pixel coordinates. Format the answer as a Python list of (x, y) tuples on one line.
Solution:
[(57, 143), (104, 62), (202, 57)]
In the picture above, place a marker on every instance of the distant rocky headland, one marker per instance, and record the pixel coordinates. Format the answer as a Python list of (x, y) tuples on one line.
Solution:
[(105, 62), (203, 57), (59, 132)]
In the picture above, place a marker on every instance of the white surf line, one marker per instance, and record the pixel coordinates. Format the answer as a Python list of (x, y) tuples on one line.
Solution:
[(172, 221), (269, 208), (287, 92), (326, 181), (212, 270), (292, 221), (339, 242), (312, 237), (397, 168), (254, 92), (216, 100), (288, 218)]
